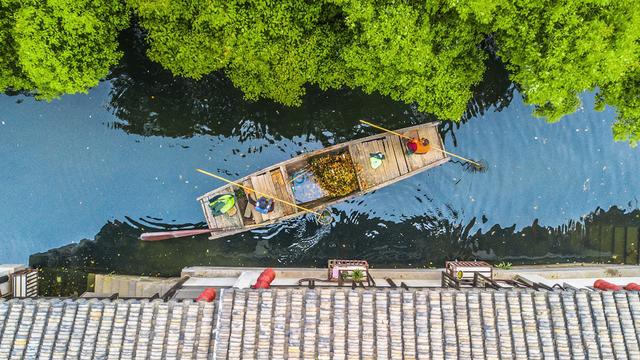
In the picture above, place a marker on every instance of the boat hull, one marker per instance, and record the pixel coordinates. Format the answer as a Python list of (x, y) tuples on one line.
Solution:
[(275, 180)]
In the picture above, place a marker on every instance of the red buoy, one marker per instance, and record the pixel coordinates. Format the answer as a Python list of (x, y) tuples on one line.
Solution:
[(208, 295), (268, 275), (605, 285), (265, 279), (632, 287)]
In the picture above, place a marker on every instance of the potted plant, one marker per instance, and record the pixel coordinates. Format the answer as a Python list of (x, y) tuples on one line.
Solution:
[(357, 276)]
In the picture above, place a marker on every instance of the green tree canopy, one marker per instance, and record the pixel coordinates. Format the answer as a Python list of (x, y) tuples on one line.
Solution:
[(555, 50), (268, 49), (624, 95), (414, 52), (423, 52), (56, 47)]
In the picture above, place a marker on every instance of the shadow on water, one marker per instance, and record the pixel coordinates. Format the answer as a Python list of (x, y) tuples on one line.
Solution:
[(419, 241), (150, 101)]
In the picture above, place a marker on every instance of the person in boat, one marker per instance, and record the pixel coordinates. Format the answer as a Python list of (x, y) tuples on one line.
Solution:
[(262, 205), (418, 146), (222, 204)]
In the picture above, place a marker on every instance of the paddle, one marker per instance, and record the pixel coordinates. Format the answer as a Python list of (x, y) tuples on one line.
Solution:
[(166, 235), (477, 166)]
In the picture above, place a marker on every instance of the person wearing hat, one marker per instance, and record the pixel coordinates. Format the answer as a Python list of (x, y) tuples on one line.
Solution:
[(418, 146), (223, 204), (262, 205)]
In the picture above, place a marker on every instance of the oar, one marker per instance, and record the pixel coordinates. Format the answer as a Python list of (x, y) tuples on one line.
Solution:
[(166, 235), (259, 192), (477, 165)]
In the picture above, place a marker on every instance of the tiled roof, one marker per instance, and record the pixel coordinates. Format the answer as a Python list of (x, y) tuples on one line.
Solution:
[(330, 323), (86, 329)]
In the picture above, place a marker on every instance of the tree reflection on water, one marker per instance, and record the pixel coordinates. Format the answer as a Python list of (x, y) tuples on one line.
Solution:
[(150, 101), (416, 242)]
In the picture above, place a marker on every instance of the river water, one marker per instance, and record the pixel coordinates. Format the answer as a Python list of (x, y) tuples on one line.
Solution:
[(124, 155)]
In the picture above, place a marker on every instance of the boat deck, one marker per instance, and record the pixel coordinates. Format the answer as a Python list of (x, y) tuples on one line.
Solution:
[(397, 161)]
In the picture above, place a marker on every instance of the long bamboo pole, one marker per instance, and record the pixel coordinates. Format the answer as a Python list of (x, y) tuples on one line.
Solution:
[(259, 192), (408, 138)]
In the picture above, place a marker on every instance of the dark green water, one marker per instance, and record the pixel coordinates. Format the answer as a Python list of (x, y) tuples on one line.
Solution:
[(122, 158)]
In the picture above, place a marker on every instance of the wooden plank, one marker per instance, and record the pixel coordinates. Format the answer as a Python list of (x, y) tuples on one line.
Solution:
[(355, 158), (255, 184), (276, 180), (381, 173), (376, 174), (210, 225), (288, 188), (366, 173), (400, 153), (257, 217), (234, 221), (281, 189), (389, 166), (261, 184), (262, 187), (390, 155), (393, 162), (367, 178), (278, 208), (207, 214)]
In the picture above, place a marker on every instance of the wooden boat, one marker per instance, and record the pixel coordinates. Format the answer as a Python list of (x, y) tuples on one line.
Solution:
[(276, 180)]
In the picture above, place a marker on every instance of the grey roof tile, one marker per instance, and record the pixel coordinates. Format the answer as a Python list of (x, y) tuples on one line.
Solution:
[(279, 321), (250, 325), (422, 326), (325, 320), (223, 332), (544, 324), (310, 325), (505, 341), (339, 325), (382, 324), (353, 325), (489, 325)]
